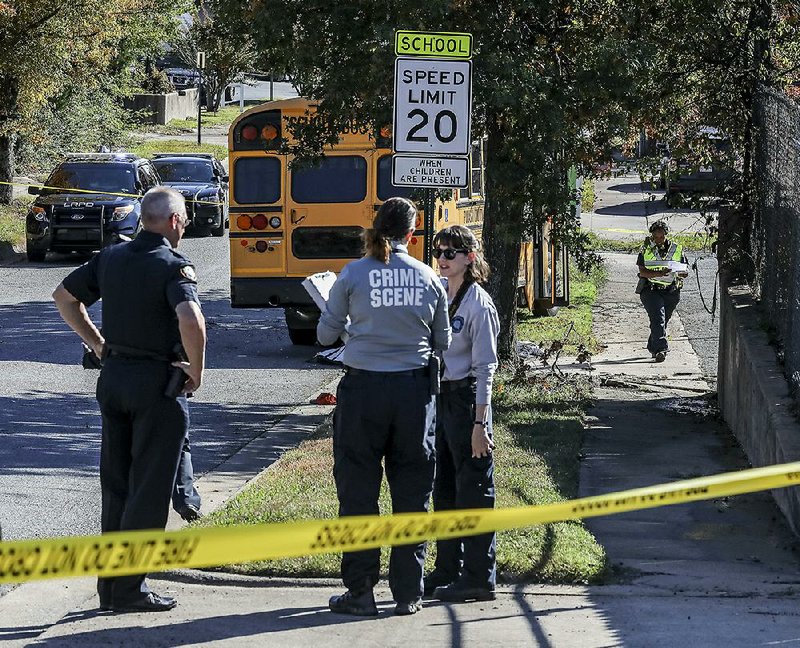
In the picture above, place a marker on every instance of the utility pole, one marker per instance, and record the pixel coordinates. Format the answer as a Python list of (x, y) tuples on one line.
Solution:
[(201, 64)]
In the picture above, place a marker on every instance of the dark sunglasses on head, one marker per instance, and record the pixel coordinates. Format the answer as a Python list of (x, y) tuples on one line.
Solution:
[(449, 253)]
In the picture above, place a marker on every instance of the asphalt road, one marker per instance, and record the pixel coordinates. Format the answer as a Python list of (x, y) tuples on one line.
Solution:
[(624, 209), (49, 420)]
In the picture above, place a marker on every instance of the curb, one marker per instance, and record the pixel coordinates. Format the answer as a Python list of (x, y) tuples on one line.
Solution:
[(38, 605)]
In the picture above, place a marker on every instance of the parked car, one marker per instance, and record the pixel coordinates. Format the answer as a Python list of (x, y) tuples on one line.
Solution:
[(182, 78), (90, 200), (203, 182), (682, 177)]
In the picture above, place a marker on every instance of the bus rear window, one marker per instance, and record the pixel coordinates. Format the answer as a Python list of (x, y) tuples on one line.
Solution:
[(257, 181), (386, 189), (339, 179), (327, 242)]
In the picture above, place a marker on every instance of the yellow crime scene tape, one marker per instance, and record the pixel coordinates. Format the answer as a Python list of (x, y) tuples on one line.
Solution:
[(96, 192), (136, 552)]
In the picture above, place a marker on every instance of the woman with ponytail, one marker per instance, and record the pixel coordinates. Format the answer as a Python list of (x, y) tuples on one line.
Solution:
[(397, 309), (465, 568)]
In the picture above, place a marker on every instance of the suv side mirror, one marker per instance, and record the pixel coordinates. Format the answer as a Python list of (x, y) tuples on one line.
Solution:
[(34, 191)]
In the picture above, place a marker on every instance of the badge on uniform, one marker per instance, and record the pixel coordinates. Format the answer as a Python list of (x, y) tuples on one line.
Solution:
[(188, 272), (457, 324)]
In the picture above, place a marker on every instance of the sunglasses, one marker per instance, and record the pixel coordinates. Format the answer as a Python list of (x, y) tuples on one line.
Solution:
[(449, 253)]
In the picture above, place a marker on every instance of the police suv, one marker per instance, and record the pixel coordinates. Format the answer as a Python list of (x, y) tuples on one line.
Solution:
[(203, 182), (89, 201)]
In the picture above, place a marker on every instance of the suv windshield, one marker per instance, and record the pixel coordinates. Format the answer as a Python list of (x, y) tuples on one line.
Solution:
[(185, 171), (113, 178)]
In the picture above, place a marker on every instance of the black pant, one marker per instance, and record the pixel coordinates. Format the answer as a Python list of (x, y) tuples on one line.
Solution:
[(659, 305), (143, 432), (462, 482), (184, 493), (381, 416)]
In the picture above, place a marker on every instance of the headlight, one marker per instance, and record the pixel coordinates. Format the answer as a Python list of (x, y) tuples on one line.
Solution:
[(39, 213), (121, 212), (208, 199)]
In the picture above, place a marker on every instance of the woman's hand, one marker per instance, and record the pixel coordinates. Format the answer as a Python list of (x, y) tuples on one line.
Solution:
[(482, 444)]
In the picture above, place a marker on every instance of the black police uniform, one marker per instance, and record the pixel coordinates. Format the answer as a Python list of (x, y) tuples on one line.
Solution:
[(141, 283)]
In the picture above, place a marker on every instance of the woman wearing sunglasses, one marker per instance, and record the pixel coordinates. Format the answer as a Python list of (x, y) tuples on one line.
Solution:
[(465, 568)]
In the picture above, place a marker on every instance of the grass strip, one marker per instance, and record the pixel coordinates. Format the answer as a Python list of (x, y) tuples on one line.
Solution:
[(12, 221), (539, 433), (147, 148), (545, 330), (699, 242), (588, 195)]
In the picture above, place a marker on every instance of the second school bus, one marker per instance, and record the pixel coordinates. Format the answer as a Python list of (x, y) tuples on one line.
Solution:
[(288, 223)]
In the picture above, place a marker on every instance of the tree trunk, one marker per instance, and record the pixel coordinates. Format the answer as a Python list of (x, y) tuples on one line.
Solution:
[(502, 241), (9, 97), (6, 168)]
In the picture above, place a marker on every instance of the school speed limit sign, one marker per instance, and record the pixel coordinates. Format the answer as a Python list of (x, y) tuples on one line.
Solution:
[(432, 106)]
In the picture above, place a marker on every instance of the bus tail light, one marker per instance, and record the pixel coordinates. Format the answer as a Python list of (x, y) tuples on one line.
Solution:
[(250, 133), (261, 246), (260, 222), (269, 132), (275, 222), (244, 222), (244, 243)]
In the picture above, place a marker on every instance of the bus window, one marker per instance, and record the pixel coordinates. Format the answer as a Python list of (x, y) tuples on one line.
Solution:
[(476, 184), (386, 189), (338, 179), (257, 180), (327, 242)]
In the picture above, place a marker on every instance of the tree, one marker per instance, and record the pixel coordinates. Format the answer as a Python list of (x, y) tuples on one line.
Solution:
[(549, 83), (48, 45), (708, 59), (228, 53)]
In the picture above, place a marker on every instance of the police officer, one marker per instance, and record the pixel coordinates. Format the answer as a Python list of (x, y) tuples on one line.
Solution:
[(398, 317), (149, 305), (465, 568), (660, 286)]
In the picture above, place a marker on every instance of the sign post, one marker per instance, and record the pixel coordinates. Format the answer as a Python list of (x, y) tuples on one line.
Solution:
[(201, 64), (432, 115)]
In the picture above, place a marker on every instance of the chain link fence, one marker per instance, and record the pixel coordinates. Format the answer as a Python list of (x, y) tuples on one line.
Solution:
[(774, 239)]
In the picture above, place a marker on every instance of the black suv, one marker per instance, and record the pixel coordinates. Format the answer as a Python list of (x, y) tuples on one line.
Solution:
[(203, 182), (89, 201)]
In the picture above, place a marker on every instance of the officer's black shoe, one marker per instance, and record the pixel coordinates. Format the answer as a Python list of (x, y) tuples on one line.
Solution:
[(361, 604), (661, 356), (151, 602), (460, 592), (189, 513), (404, 609), (435, 579)]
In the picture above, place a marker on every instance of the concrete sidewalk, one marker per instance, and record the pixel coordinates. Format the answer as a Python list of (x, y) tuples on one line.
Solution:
[(717, 573)]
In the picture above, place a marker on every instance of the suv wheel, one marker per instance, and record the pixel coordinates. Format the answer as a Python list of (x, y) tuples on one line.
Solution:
[(220, 230), (36, 256)]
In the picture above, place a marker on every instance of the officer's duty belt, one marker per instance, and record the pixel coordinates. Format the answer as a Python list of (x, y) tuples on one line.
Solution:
[(453, 385), (118, 350), (422, 371)]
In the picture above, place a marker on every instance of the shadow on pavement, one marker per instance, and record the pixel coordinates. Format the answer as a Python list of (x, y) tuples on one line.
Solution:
[(237, 338), (205, 630)]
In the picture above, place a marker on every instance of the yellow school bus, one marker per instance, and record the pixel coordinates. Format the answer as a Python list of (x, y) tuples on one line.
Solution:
[(286, 224)]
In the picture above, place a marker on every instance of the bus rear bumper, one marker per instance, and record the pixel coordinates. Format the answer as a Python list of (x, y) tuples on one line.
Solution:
[(269, 292)]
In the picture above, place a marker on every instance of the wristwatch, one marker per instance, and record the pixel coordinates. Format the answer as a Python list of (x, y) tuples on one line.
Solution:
[(483, 423)]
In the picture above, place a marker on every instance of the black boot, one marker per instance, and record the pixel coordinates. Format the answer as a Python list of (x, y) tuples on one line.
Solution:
[(357, 604)]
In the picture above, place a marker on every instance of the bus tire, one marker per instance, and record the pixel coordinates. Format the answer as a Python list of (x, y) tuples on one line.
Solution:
[(303, 336)]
